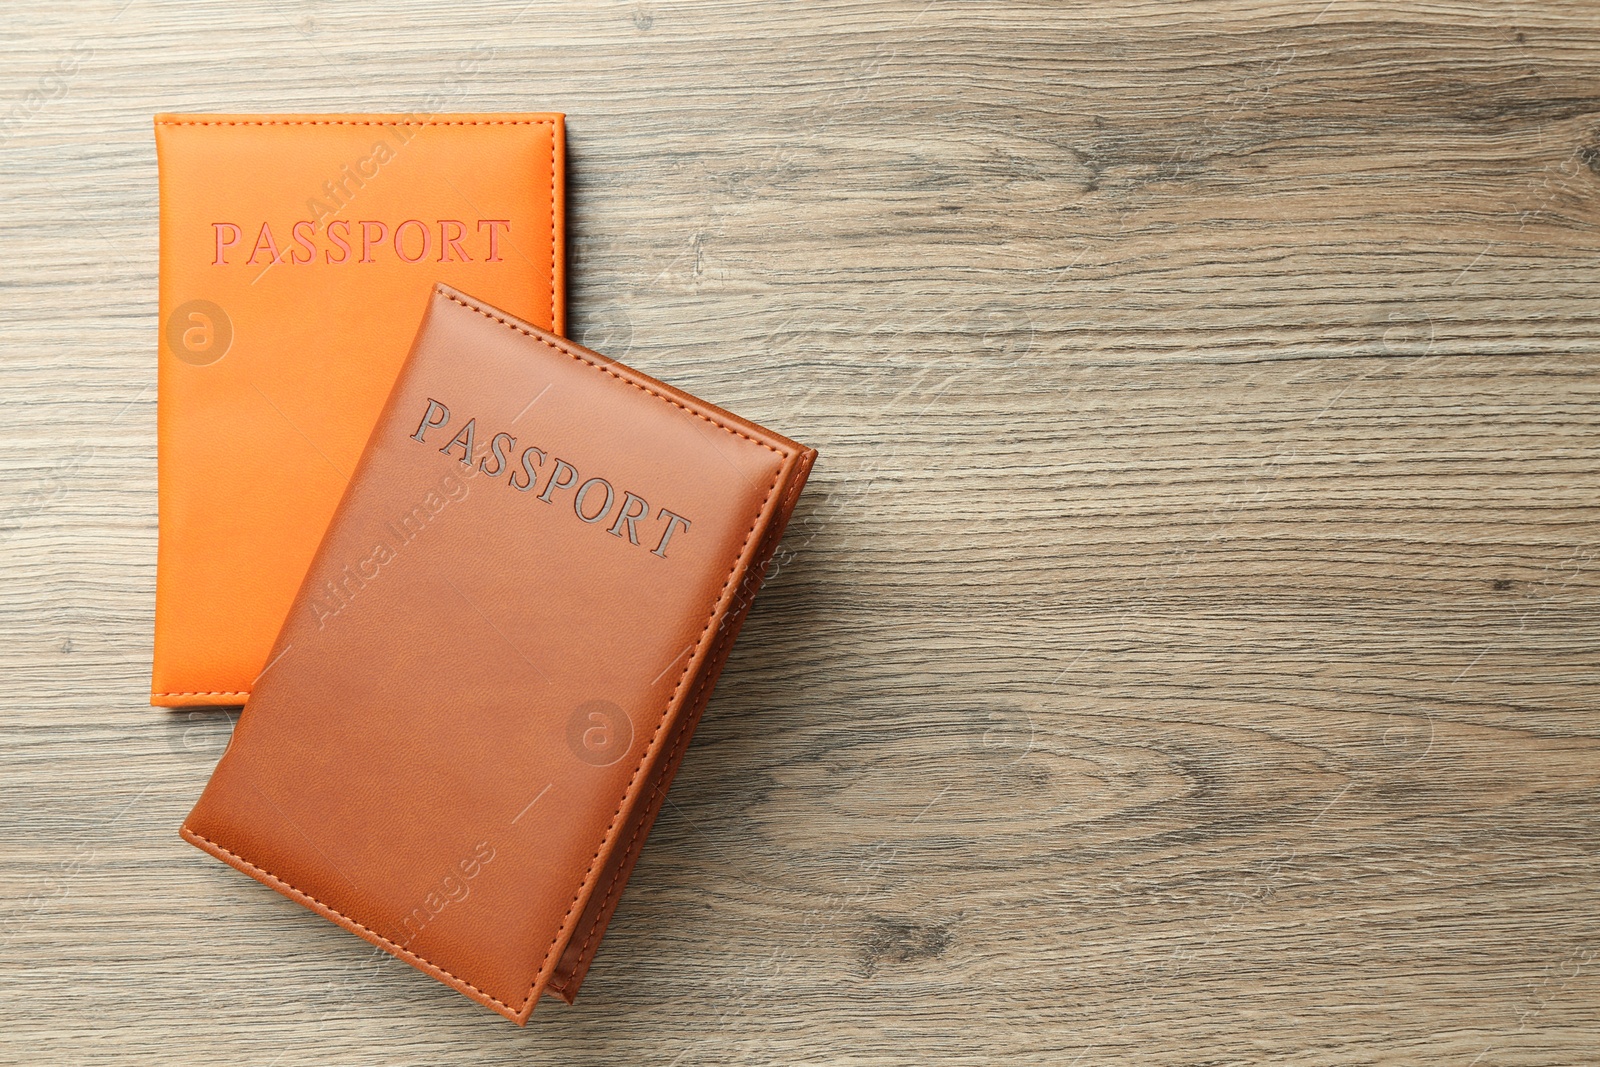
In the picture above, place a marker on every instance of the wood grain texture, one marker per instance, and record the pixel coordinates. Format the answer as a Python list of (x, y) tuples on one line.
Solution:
[(1186, 651)]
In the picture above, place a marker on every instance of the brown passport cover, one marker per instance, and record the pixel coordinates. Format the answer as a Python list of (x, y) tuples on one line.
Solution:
[(296, 254), (489, 675)]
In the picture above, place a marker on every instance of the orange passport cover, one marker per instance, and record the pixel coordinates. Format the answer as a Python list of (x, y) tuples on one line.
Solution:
[(296, 254)]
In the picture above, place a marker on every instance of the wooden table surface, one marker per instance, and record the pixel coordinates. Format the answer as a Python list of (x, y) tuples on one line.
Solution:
[(1186, 651)]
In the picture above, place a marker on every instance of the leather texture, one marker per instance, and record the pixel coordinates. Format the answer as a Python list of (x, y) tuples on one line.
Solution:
[(489, 676), (296, 254)]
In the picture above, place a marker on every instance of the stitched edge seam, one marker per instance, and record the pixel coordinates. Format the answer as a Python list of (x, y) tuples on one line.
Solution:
[(302, 895), (615, 884), (621, 378), (678, 743), (398, 120), (552, 227), (421, 122)]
